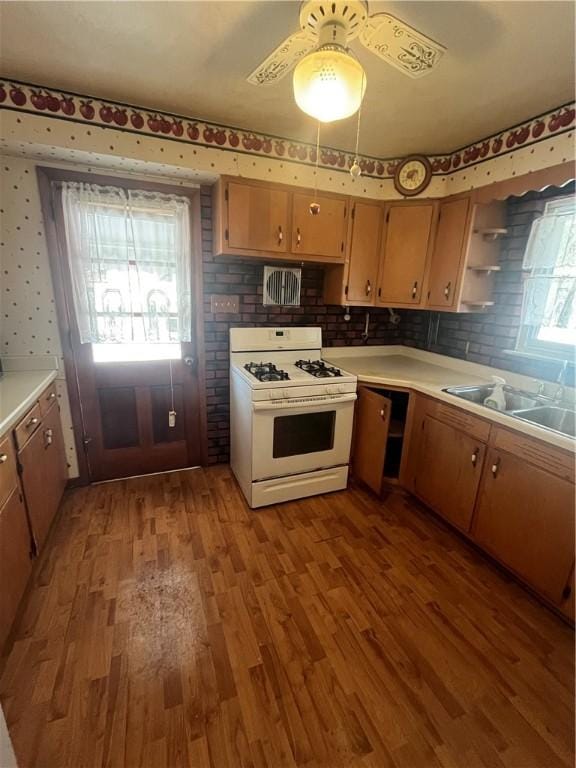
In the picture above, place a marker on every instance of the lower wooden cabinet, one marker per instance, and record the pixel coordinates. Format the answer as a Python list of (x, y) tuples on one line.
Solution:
[(15, 558), (448, 472), (44, 474), (513, 495), (525, 518), (373, 412)]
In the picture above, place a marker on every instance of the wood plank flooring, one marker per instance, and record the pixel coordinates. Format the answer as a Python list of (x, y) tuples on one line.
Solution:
[(169, 625)]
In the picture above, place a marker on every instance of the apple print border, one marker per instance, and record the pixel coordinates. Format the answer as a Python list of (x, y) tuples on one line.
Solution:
[(30, 98)]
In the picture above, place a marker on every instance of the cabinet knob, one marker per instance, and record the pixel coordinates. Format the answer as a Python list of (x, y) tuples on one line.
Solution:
[(280, 235), (368, 288), (3, 458), (415, 289), (51, 396), (474, 457), (298, 236), (448, 289), (32, 422), (48, 437), (495, 467)]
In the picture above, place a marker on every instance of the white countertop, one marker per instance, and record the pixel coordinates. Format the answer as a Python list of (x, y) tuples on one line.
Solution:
[(18, 392), (429, 373)]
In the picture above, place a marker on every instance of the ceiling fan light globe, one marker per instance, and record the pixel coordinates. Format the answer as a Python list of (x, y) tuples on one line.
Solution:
[(329, 84)]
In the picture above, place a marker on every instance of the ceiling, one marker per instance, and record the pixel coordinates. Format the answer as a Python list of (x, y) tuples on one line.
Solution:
[(506, 62)]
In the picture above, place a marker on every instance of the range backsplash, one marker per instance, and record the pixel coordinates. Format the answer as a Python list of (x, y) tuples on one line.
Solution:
[(478, 338)]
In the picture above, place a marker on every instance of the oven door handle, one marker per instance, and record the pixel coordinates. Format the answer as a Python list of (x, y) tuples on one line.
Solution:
[(303, 402)]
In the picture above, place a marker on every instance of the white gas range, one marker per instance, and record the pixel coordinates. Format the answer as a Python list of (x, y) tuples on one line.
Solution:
[(291, 415)]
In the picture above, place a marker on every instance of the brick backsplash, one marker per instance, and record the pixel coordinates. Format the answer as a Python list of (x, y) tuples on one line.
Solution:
[(478, 338)]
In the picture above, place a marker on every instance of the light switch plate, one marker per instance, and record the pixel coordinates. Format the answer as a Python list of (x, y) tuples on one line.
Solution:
[(220, 305)]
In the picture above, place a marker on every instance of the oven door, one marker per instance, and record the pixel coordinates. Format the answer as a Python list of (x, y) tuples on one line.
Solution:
[(290, 437)]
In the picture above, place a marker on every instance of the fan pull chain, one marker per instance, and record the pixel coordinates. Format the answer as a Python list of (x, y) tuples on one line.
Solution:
[(171, 412), (315, 205), (355, 169)]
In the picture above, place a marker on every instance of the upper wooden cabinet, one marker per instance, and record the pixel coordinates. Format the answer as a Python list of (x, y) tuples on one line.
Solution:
[(355, 282), (257, 217), (323, 235), (407, 242), (268, 221), (447, 253), (465, 254)]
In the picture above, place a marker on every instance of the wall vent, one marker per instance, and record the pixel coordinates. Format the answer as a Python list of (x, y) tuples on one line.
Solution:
[(282, 286)]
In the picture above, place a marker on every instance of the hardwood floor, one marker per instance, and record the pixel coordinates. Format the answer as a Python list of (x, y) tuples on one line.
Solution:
[(168, 625)]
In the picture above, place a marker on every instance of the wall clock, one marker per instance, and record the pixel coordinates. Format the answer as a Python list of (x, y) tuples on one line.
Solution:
[(413, 175)]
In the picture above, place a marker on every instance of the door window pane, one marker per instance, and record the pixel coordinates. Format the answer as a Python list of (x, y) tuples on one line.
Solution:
[(303, 433)]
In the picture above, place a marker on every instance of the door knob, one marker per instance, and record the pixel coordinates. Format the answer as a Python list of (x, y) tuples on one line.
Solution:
[(189, 361)]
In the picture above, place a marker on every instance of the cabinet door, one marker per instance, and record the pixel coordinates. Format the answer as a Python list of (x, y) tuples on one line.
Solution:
[(449, 470), (257, 218), (525, 518), (44, 474), (448, 253), (404, 255), (364, 254), (371, 434), (323, 235), (15, 562)]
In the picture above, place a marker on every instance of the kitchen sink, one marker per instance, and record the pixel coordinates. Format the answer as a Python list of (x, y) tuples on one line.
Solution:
[(553, 417), (536, 409), (516, 399)]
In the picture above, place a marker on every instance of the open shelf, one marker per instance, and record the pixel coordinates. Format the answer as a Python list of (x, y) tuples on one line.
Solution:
[(484, 268), (476, 305), (491, 233)]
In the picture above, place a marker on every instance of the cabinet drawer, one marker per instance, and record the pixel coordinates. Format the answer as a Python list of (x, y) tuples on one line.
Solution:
[(27, 426), (459, 419), (8, 473), (547, 457), (47, 398)]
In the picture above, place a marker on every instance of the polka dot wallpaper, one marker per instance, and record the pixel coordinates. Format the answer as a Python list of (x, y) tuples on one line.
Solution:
[(28, 324)]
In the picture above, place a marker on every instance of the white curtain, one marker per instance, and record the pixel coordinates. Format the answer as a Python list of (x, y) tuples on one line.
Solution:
[(550, 280), (130, 262)]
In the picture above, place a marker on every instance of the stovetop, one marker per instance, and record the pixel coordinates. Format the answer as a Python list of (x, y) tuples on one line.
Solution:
[(287, 369)]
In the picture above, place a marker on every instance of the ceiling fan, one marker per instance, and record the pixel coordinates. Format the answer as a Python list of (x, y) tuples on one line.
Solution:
[(326, 70)]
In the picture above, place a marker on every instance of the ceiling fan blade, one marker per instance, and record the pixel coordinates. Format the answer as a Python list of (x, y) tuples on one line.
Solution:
[(283, 59), (401, 45)]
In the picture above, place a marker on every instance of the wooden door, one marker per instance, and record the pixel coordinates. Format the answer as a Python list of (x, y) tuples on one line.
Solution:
[(373, 412), (126, 417), (257, 217), (404, 254), (525, 518), (15, 559), (44, 474), (364, 252), (323, 235), (121, 409), (448, 253), (449, 470)]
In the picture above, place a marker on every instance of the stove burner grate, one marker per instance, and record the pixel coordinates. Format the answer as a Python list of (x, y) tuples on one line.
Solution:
[(266, 372), (318, 369)]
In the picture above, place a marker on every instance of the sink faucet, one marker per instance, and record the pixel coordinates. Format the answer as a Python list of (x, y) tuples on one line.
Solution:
[(561, 381), (540, 387)]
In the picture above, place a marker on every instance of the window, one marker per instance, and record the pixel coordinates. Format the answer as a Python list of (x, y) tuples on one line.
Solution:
[(548, 326), (130, 263)]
